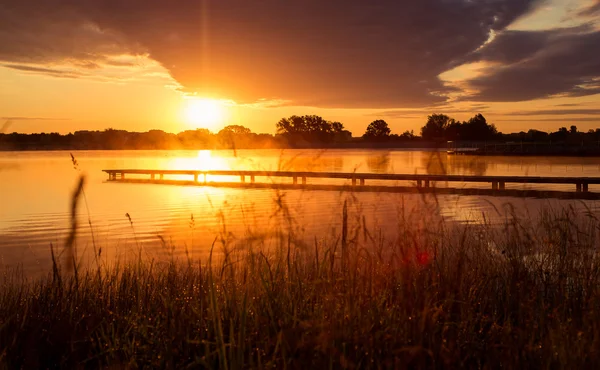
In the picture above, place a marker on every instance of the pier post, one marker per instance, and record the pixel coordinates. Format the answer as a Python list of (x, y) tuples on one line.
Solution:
[(152, 176), (162, 176), (578, 187), (585, 187), (419, 183), (353, 181), (252, 179), (494, 185), (122, 175), (295, 180), (242, 178), (195, 177), (303, 180), (426, 183), (502, 185), (362, 182)]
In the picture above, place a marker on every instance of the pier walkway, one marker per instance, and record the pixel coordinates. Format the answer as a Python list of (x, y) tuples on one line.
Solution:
[(358, 181)]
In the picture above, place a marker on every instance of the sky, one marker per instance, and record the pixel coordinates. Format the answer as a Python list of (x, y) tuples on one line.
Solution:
[(68, 65)]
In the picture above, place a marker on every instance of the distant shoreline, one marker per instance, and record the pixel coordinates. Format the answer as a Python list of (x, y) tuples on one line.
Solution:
[(382, 147), (428, 146)]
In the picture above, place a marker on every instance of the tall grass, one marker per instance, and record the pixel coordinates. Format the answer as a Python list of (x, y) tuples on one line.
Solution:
[(442, 295)]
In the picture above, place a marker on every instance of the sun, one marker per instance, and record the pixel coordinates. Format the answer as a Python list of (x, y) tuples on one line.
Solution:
[(204, 113)]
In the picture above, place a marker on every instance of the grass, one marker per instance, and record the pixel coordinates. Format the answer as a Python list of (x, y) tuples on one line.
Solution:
[(524, 294)]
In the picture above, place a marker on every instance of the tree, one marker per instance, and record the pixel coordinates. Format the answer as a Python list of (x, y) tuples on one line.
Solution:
[(292, 125), (559, 136), (477, 128), (337, 127), (536, 135), (235, 130), (235, 136), (408, 135), (377, 129), (435, 128), (573, 129), (311, 129)]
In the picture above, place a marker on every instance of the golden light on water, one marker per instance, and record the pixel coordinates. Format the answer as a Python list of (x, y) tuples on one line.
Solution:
[(205, 160), (205, 113)]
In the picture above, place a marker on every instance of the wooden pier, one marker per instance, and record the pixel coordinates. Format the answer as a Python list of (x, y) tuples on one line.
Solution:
[(358, 181)]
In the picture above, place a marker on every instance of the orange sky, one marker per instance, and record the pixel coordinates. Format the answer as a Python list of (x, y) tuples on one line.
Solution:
[(83, 67)]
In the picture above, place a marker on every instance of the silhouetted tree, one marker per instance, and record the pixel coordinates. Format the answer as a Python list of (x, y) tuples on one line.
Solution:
[(337, 127), (435, 128), (477, 128), (454, 130), (560, 136), (235, 130), (536, 135), (311, 129), (235, 136), (408, 135), (440, 127), (377, 129)]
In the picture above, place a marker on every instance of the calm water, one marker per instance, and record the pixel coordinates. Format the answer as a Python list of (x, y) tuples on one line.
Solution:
[(35, 192)]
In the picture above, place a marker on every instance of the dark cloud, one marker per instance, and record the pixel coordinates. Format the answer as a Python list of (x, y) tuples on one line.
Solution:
[(555, 112), (529, 65), (33, 119), (324, 53), (48, 71), (570, 105), (574, 119), (592, 10), (410, 113), (54, 31)]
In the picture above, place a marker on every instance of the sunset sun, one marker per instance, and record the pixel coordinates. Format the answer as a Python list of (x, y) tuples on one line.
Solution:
[(204, 113)]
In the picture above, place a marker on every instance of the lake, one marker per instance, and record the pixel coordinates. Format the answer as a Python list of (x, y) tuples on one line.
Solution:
[(161, 220)]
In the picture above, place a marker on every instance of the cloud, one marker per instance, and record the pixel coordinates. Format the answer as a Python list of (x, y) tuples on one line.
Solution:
[(527, 65), (417, 113), (570, 105), (555, 112), (33, 119), (53, 31), (47, 71), (574, 119), (592, 9), (334, 53)]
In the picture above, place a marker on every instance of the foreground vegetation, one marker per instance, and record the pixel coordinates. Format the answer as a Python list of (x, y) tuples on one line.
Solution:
[(525, 294)]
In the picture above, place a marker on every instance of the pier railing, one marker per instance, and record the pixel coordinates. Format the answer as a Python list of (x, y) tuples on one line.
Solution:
[(357, 179)]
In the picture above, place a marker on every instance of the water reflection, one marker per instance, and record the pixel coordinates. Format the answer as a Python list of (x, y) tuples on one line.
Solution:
[(439, 163), (321, 161), (34, 197), (379, 162)]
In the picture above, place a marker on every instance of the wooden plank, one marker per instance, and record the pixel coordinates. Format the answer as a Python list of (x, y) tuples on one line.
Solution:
[(371, 176), (381, 188)]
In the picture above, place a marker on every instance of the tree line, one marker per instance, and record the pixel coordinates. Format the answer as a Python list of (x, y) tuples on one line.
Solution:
[(294, 131)]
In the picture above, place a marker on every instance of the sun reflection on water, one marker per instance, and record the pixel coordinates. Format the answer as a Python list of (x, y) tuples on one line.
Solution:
[(203, 161)]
